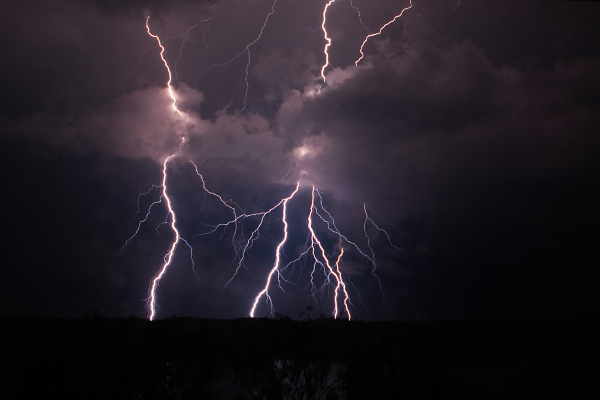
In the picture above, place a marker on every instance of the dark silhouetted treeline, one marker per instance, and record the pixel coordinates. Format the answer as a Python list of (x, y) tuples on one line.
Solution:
[(189, 358)]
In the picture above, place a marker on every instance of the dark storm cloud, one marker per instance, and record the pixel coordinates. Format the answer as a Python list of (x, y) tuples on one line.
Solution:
[(425, 116), (86, 85), (66, 56), (240, 149), (474, 133), (280, 74), (434, 114), (136, 125), (154, 7)]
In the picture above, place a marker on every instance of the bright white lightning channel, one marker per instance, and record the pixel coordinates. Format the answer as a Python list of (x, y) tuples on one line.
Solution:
[(162, 57), (333, 272)]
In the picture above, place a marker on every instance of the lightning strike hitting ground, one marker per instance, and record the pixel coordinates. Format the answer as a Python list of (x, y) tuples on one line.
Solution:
[(177, 237), (362, 55), (337, 274), (332, 272), (171, 213), (168, 258), (314, 247), (275, 268)]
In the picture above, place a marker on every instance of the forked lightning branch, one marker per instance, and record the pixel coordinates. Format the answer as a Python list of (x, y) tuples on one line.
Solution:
[(329, 267)]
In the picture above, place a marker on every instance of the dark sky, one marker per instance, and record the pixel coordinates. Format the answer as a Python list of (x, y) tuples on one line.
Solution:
[(471, 132)]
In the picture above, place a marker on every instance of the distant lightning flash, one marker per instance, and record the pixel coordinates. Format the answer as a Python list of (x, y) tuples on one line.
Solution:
[(362, 55)]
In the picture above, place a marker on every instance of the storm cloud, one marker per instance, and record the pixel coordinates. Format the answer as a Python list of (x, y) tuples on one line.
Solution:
[(472, 132)]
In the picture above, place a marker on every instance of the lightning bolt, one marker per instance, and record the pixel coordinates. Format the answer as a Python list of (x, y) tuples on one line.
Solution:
[(335, 272), (143, 220), (320, 259), (327, 39), (359, 16), (308, 28), (265, 291), (212, 16), (246, 50), (456, 6), (162, 57), (242, 250), (187, 34), (314, 247), (362, 55), (169, 257)]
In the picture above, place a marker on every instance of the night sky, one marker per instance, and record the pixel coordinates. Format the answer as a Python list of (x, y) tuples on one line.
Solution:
[(471, 132)]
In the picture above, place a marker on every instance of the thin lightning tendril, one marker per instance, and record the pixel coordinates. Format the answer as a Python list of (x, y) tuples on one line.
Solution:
[(456, 6), (246, 50), (212, 16), (185, 38), (359, 16), (139, 198), (362, 55), (140, 224), (225, 203)]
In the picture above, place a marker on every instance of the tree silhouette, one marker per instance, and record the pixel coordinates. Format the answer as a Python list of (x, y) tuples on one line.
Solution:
[(288, 379)]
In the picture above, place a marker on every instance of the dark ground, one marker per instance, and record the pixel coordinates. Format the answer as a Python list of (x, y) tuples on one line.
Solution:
[(180, 358)]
